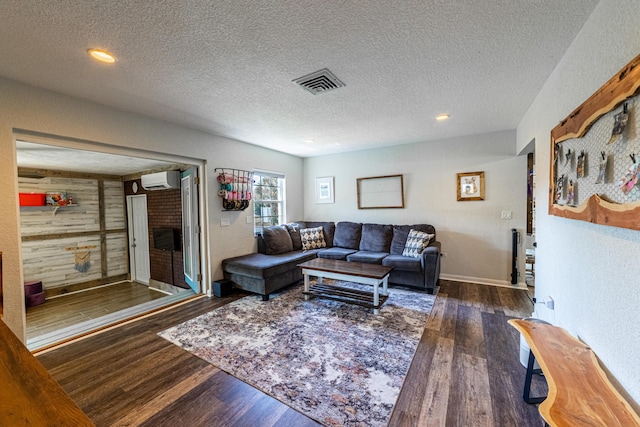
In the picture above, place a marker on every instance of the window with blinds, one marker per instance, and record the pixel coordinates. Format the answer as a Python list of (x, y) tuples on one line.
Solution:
[(268, 199)]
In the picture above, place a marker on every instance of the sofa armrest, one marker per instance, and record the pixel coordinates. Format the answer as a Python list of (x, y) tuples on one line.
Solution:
[(430, 259)]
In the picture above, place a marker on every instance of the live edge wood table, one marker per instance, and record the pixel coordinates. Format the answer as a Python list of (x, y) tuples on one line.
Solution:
[(358, 272), (580, 394)]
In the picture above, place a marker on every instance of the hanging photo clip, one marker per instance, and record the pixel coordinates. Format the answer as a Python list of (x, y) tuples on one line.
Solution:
[(571, 193), (557, 154), (621, 120), (602, 168), (580, 169), (630, 178)]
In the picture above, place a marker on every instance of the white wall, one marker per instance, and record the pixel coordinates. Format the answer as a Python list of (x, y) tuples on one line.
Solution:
[(35, 110), (591, 271), (477, 241)]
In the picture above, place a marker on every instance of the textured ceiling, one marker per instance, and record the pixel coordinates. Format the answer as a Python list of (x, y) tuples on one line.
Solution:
[(41, 156), (226, 67)]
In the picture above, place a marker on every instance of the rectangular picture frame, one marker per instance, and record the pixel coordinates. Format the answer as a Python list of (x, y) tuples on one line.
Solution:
[(381, 192), (325, 190), (470, 186)]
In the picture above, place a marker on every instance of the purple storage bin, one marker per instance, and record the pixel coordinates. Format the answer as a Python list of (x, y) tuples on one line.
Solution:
[(35, 299), (32, 288)]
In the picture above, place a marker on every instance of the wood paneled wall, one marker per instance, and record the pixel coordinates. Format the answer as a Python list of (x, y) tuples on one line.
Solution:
[(97, 221)]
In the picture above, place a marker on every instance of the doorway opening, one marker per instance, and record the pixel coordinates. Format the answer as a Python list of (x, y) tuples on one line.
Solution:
[(530, 248), (94, 250)]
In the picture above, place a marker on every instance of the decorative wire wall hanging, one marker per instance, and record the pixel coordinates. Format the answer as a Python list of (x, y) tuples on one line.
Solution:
[(595, 155), (600, 163), (235, 188)]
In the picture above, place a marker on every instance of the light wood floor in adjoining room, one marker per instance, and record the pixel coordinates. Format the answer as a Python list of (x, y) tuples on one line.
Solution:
[(466, 371), (71, 309)]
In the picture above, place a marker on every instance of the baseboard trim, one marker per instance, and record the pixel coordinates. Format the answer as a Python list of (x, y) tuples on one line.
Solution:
[(481, 281), (83, 286)]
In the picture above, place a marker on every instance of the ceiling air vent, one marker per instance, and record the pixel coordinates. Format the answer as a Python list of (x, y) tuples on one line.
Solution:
[(319, 82)]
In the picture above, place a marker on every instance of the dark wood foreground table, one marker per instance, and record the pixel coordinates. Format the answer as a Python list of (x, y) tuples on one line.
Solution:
[(358, 272), (29, 396)]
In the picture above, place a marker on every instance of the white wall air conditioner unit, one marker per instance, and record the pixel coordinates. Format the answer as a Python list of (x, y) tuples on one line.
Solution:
[(161, 180)]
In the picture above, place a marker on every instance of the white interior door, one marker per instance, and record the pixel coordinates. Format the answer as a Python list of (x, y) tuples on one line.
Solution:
[(138, 238), (190, 229)]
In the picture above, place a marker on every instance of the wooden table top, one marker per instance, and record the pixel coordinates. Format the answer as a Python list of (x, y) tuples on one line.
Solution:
[(28, 393), (580, 394), (360, 269)]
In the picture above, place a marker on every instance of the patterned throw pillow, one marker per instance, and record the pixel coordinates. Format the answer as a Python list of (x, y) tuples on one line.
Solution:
[(416, 242), (312, 238)]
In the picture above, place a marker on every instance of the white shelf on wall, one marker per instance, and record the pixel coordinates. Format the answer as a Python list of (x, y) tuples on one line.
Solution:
[(54, 209)]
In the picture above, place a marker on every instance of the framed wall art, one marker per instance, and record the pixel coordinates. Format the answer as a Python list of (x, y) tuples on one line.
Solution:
[(380, 192), (595, 155), (470, 186), (324, 190)]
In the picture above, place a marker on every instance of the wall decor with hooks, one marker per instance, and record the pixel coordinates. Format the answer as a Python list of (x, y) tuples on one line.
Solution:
[(595, 158), (235, 186)]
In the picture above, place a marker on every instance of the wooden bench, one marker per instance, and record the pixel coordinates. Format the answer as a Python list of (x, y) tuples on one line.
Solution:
[(580, 394)]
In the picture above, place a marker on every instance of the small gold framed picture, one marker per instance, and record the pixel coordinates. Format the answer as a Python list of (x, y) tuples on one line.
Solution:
[(470, 186)]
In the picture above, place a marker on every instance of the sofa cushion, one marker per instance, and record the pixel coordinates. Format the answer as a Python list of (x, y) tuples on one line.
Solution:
[(294, 232), (312, 238), (277, 240), (301, 224), (416, 242), (399, 262), (328, 228), (347, 235), (369, 257), (376, 237), (336, 253), (400, 233)]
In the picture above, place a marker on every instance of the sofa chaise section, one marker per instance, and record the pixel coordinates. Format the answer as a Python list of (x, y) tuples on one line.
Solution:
[(263, 274), (274, 267)]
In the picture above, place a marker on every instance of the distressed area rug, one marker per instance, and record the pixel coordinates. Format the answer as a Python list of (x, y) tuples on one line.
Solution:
[(337, 363)]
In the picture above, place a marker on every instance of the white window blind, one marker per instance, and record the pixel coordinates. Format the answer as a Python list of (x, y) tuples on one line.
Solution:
[(268, 199)]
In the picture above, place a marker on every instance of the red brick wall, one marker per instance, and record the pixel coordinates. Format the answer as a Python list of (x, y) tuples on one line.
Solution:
[(164, 210)]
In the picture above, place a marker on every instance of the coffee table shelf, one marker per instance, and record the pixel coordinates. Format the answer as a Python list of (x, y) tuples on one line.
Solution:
[(367, 274), (352, 296)]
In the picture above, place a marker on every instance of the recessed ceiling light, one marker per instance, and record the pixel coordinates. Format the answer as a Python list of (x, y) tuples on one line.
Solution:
[(309, 141), (442, 117), (102, 56)]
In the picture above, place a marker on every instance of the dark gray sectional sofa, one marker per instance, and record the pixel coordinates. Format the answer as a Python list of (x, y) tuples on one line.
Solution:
[(280, 251)]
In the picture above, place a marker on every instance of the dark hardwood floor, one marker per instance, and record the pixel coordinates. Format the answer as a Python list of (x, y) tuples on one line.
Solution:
[(466, 371)]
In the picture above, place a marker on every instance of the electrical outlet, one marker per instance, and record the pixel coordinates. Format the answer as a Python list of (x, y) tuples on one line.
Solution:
[(249, 219), (506, 215), (224, 222), (443, 254)]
